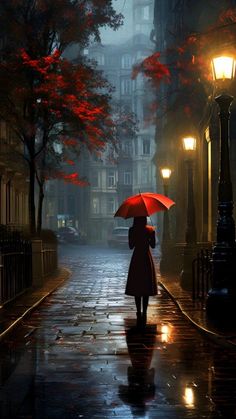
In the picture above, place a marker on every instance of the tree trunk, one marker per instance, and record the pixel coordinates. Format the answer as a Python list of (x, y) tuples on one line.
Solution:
[(40, 207), (32, 223)]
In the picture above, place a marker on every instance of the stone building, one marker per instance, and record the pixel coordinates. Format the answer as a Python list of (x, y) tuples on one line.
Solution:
[(13, 181), (173, 21), (112, 176), (133, 169)]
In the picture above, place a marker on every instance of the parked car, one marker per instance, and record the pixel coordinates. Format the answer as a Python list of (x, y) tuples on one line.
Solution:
[(119, 236), (68, 234)]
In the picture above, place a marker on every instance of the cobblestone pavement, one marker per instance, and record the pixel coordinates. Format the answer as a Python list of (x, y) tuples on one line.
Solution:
[(80, 355)]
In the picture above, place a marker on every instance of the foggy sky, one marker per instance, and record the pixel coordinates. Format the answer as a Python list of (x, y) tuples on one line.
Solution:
[(125, 32)]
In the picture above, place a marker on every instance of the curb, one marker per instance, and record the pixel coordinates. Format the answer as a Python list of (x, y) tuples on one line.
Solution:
[(216, 337), (65, 273)]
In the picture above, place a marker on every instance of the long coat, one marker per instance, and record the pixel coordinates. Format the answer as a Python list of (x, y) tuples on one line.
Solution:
[(141, 279)]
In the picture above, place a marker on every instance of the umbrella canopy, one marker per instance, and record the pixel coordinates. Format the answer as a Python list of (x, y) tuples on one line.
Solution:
[(143, 204)]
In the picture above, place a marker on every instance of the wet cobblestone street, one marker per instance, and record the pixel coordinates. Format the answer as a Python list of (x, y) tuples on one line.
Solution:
[(80, 355)]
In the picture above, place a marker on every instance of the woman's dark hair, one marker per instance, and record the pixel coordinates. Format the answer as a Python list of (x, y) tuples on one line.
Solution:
[(140, 221)]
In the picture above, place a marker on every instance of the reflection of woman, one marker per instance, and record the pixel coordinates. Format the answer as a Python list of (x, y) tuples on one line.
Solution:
[(141, 378), (141, 281)]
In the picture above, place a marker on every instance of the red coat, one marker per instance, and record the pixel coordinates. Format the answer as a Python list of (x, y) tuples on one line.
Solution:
[(141, 279)]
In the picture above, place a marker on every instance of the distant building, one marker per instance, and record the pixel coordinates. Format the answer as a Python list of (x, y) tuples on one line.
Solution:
[(134, 168), (113, 177)]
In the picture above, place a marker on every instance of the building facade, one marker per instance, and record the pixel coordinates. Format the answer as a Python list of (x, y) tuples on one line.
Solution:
[(13, 181), (132, 170), (113, 175), (173, 21)]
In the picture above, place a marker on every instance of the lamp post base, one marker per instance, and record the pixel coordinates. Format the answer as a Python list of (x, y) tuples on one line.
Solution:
[(221, 298), (220, 305)]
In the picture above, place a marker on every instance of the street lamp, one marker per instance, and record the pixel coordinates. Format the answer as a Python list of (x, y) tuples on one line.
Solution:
[(165, 262), (189, 145), (221, 298)]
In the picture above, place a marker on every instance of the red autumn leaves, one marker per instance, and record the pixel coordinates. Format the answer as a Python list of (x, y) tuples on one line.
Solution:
[(70, 94), (152, 68), (189, 63)]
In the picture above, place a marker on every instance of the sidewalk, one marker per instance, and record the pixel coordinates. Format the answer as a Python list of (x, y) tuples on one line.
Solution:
[(13, 313), (195, 312)]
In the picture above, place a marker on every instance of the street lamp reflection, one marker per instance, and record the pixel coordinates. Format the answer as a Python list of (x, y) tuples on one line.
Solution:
[(189, 396), (165, 333)]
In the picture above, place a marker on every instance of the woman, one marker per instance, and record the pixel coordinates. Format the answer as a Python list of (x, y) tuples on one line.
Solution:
[(141, 281)]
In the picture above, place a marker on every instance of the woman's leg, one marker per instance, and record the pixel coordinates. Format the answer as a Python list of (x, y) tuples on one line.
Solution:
[(138, 307), (145, 306), (138, 304)]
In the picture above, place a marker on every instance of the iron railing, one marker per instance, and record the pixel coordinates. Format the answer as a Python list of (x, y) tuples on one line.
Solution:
[(201, 274), (15, 268)]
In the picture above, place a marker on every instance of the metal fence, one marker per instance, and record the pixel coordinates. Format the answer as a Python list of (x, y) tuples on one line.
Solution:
[(202, 274), (15, 268), (19, 264)]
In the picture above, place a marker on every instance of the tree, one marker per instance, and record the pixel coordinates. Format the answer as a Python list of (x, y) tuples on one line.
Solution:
[(44, 96)]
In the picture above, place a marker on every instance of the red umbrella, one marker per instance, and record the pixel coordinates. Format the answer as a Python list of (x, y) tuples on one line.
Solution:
[(143, 204)]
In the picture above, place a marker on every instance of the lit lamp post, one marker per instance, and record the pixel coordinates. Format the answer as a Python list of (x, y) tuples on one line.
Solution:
[(189, 145), (165, 263), (221, 298)]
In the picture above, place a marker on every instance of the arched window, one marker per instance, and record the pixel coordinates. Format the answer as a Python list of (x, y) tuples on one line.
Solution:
[(126, 61), (126, 86)]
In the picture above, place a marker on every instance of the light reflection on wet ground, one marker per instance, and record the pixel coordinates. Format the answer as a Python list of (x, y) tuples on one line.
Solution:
[(81, 355)]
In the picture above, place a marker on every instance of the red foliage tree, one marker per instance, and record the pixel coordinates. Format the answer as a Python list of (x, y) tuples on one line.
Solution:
[(44, 96), (187, 69)]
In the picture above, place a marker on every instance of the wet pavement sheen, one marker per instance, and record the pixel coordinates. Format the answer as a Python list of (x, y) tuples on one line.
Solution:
[(80, 354)]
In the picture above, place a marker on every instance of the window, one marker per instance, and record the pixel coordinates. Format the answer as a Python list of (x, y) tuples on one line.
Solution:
[(111, 178), (146, 147), (145, 12), (127, 178), (127, 148), (142, 13), (136, 147), (95, 206), (125, 86), (94, 179), (126, 61), (111, 205), (144, 175)]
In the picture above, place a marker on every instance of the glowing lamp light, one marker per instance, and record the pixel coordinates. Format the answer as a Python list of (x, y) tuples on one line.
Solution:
[(189, 396), (165, 173), (223, 68), (189, 143)]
